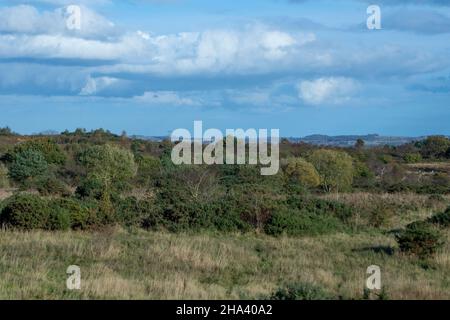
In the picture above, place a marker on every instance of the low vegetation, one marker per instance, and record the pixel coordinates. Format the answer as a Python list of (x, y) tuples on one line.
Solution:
[(141, 227)]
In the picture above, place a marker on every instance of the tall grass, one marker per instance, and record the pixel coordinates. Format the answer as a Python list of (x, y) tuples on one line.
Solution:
[(118, 264)]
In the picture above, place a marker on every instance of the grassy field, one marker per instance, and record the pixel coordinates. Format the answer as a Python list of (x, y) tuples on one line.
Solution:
[(119, 264)]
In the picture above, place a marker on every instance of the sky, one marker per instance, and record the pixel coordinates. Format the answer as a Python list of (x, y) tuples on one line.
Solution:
[(151, 66)]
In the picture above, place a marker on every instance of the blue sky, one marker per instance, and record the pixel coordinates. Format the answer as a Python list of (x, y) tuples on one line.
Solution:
[(151, 66)]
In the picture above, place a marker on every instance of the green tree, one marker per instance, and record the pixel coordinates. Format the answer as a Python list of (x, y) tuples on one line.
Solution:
[(300, 171), (435, 146), (28, 164), (109, 166), (48, 148), (335, 169)]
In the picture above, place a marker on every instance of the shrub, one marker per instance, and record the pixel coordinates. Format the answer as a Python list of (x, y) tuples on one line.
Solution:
[(381, 215), (80, 216), (45, 146), (420, 239), (435, 146), (300, 291), (28, 164), (49, 185), (58, 219), (301, 223), (335, 169), (298, 170), (441, 219), (413, 158), (321, 207), (138, 213), (149, 169), (110, 166), (90, 188), (25, 212)]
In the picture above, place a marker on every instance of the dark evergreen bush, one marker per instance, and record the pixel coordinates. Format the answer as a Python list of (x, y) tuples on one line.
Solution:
[(441, 219), (25, 212), (420, 239)]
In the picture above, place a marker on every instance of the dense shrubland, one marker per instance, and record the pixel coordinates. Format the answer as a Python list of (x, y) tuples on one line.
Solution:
[(325, 212), (91, 180)]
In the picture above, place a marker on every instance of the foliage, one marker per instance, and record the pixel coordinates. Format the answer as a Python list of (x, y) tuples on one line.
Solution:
[(381, 214), (435, 146), (413, 157), (335, 169), (25, 212), (58, 218), (149, 168), (28, 164), (50, 185), (321, 207), (302, 223), (6, 131), (298, 170), (51, 152), (441, 219), (108, 167), (420, 239)]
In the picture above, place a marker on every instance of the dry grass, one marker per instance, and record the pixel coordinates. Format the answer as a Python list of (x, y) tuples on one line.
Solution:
[(406, 207), (145, 265), (5, 193)]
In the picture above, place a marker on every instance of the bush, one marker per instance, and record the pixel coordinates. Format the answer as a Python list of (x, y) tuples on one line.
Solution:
[(302, 223), (413, 158), (321, 207), (300, 291), (59, 219), (335, 169), (25, 212), (110, 166), (49, 185), (299, 171), (45, 146), (420, 239), (441, 219), (28, 164), (138, 213), (80, 216), (90, 188), (381, 215)]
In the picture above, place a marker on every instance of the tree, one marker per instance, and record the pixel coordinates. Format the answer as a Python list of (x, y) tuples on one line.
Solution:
[(435, 146), (359, 144), (51, 152), (109, 166), (6, 131), (335, 169), (28, 164), (300, 171)]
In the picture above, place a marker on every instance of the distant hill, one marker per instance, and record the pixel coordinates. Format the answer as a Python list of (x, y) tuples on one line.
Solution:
[(350, 140)]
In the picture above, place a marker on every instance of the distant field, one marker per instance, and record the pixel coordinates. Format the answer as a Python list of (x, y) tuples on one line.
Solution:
[(145, 265)]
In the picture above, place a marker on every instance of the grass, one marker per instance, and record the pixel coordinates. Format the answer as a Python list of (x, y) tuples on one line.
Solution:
[(119, 264)]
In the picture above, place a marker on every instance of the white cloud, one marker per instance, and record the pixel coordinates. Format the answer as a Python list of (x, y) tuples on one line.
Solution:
[(95, 85), (333, 90), (26, 19)]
